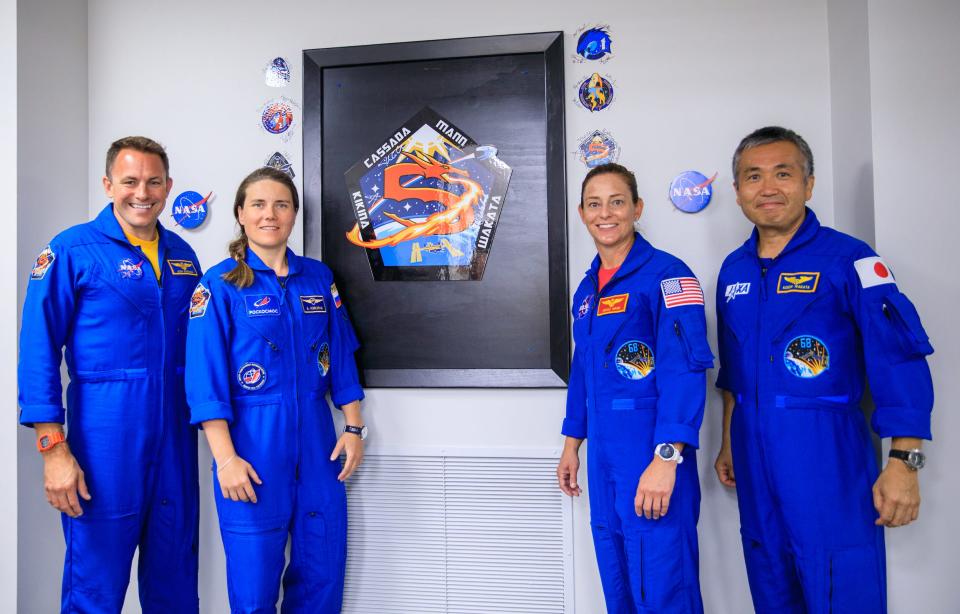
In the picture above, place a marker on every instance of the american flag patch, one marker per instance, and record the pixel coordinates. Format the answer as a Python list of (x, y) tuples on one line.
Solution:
[(680, 291)]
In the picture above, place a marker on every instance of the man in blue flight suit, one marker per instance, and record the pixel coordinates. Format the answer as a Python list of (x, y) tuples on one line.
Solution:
[(114, 292), (805, 313), (637, 389)]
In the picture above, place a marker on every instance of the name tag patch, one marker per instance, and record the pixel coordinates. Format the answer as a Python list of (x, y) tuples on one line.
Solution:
[(313, 304), (262, 305), (182, 267), (803, 283), (612, 304)]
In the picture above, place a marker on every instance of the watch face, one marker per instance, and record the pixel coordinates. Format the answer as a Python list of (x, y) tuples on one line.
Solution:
[(917, 460), (666, 451), (44, 441)]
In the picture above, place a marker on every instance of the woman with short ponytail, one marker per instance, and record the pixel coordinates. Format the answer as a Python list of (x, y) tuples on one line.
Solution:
[(268, 338)]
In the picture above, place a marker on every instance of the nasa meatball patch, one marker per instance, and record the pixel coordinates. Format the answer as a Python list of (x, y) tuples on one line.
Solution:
[(873, 272), (43, 263)]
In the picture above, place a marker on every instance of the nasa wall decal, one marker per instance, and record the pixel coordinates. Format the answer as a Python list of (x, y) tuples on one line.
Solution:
[(279, 116), (427, 200), (277, 73), (595, 93), (189, 209), (279, 162), (691, 191), (597, 147), (593, 43)]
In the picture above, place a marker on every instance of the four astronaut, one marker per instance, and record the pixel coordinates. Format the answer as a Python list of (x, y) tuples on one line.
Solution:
[(805, 316)]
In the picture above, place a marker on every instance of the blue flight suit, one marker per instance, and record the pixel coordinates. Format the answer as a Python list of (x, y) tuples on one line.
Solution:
[(263, 358), (637, 380), (94, 293), (797, 335)]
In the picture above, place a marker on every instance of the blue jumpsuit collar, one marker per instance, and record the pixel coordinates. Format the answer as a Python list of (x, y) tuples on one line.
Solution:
[(106, 222), (293, 262), (807, 231), (638, 256)]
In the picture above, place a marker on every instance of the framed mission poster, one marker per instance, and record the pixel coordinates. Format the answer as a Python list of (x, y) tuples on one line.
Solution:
[(434, 188)]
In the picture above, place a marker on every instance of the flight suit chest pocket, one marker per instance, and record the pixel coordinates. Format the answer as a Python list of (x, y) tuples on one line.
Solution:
[(901, 332)]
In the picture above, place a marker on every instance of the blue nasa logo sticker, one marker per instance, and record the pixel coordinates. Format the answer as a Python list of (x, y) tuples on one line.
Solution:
[(635, 360), (806, 357), (593, 43), (262, 305), (129, 269), (190, 209), (277, 73), (596, 148), (323, 359), (691, 191), (252, 376), (595, 93)]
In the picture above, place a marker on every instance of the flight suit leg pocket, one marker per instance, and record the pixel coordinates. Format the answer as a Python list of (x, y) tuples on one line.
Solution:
[(856, 580), (662, 585)]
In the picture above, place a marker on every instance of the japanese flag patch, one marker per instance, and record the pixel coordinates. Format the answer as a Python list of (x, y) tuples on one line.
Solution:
[(199, 301), (873, 272), (44, 262)]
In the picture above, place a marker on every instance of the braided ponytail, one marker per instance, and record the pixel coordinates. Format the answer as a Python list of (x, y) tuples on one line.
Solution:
[(241, 275)]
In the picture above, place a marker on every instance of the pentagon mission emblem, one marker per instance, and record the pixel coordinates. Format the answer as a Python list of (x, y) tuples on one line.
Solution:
[(427, 201), (44, 260)]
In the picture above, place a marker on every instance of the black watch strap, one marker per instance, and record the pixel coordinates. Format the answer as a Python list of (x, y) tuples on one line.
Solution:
[(914, 459)]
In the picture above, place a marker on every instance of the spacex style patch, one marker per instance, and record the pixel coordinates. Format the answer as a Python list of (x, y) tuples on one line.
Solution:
[(43, 263)]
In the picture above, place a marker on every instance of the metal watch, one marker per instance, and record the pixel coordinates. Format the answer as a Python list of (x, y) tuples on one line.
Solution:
[(914, 459), (360, 431), (668, 452)]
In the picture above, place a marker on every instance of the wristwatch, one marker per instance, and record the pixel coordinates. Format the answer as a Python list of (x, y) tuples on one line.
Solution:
[(914, 459), (48, 441), (667, 452), (360, 431)]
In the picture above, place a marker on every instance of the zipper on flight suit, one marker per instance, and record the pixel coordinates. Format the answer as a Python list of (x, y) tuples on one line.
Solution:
[(288, 314)]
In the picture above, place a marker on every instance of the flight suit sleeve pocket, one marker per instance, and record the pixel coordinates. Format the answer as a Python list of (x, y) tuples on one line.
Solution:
[(693, 334), (901, 331), (635, 403)]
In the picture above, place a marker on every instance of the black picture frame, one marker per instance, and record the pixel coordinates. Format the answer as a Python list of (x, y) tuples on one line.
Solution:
[(510, 329)]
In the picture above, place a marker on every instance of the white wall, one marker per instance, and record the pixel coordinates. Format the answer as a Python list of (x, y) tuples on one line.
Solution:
[(915, 137), (8, 285), (692, 78), (51, 195)]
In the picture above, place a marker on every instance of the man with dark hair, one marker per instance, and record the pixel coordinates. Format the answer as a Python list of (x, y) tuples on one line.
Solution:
[(805, 315), (114, 293)]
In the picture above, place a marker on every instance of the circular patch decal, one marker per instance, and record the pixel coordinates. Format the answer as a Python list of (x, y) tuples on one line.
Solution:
[(691, 191), (806, 356), (594, 43), (634, 360), (190, 209), (277, 116), (252, 376), (595, 93), (323, 359)]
